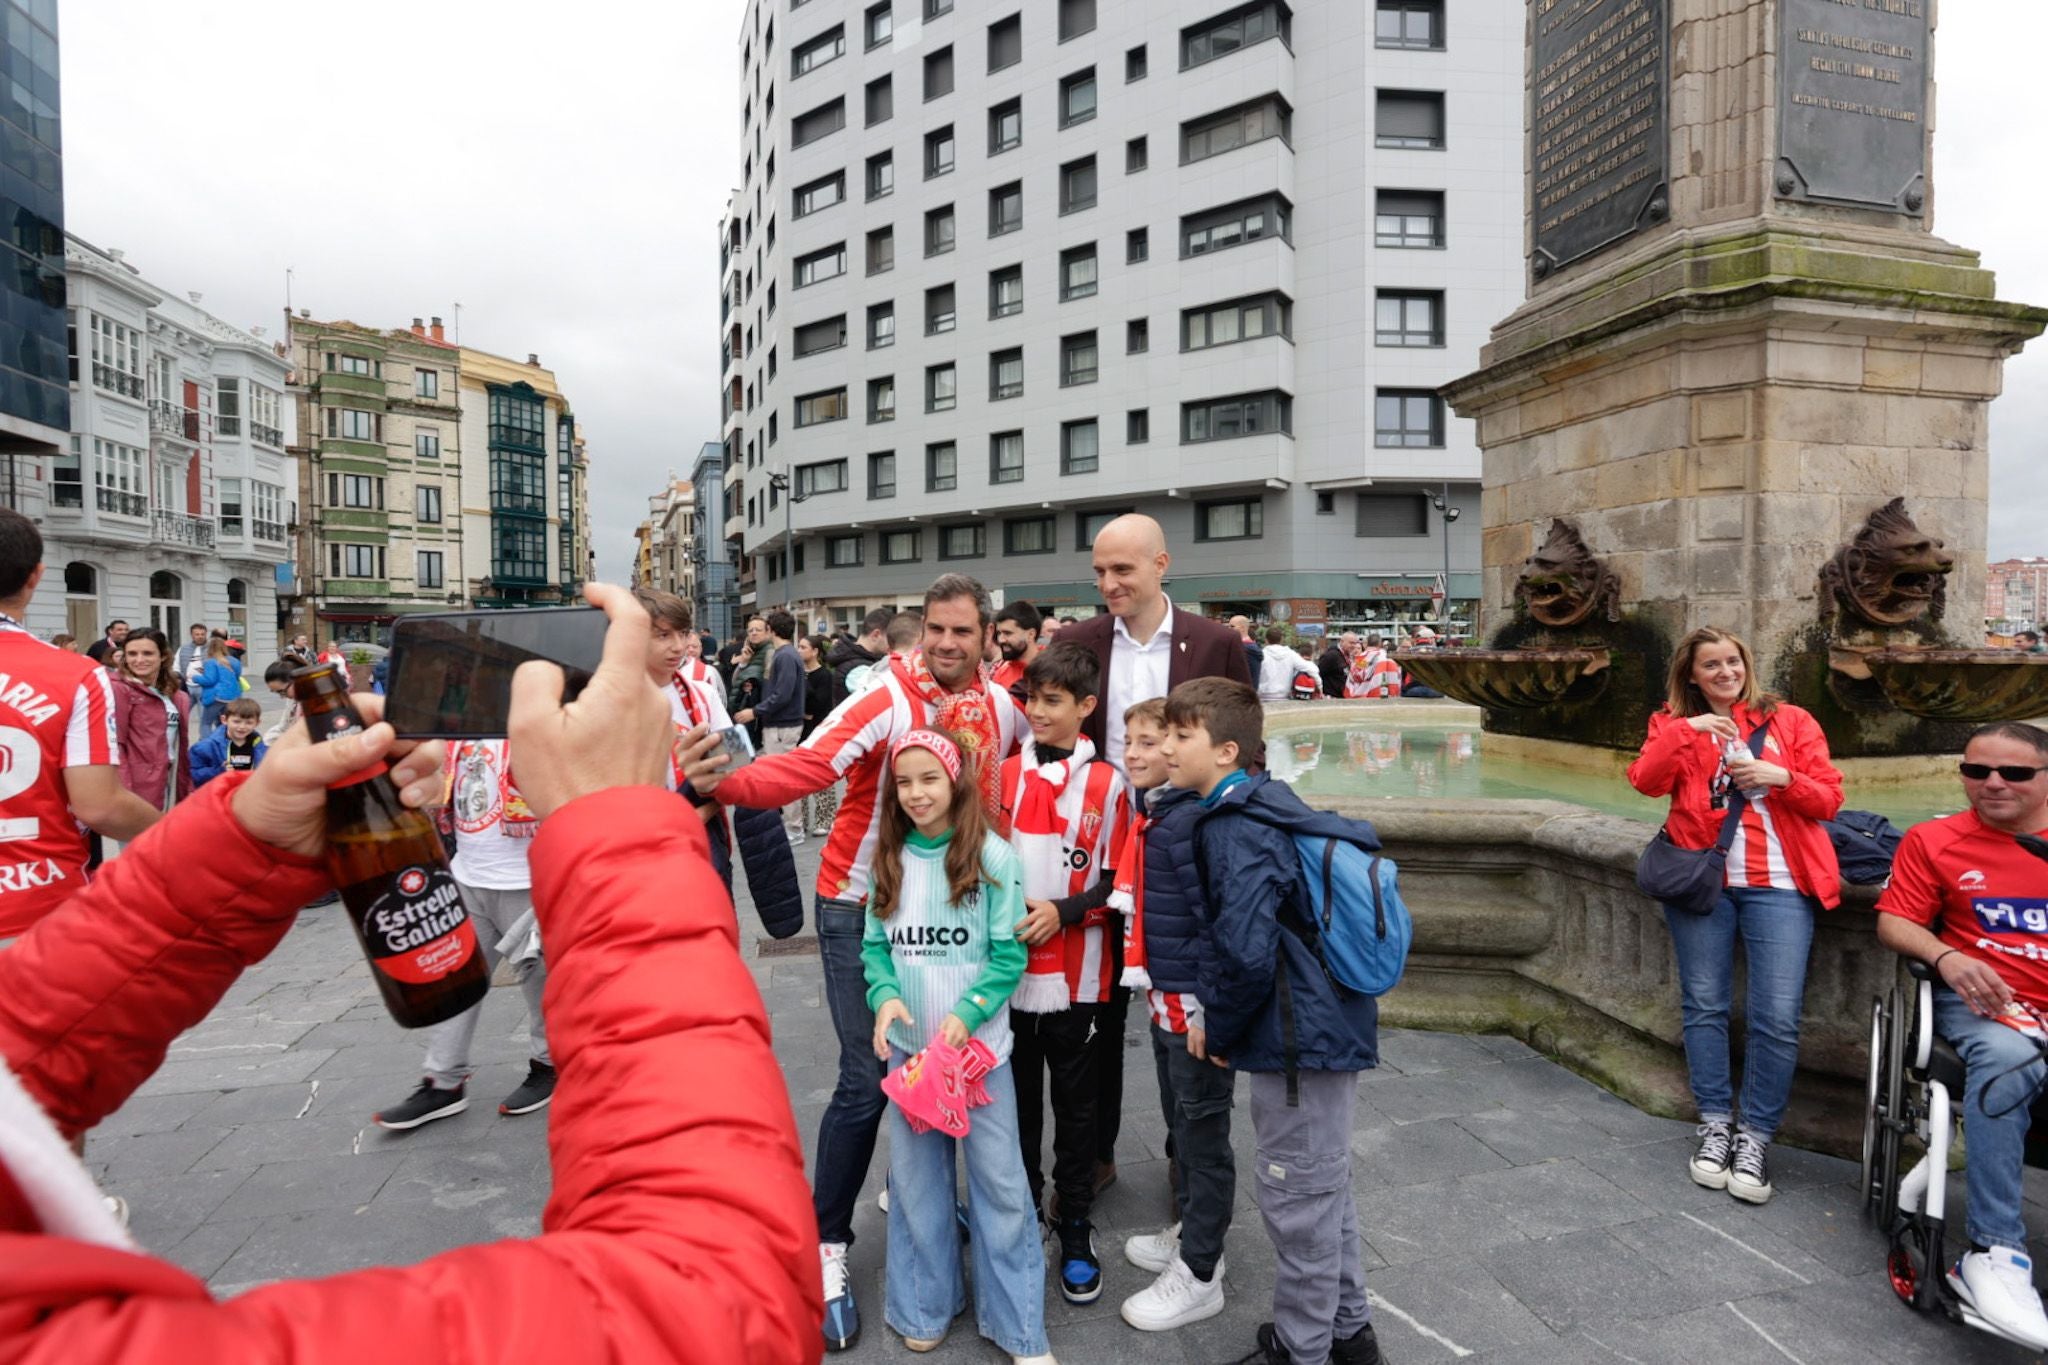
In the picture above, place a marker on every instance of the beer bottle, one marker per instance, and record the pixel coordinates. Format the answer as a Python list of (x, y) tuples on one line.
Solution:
[(392, 872)]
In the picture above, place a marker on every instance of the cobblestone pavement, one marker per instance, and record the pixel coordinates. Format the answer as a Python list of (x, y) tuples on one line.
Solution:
[(1512, 1211)]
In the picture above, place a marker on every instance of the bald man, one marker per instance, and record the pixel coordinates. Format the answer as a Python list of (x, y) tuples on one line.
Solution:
[(1254, 655)]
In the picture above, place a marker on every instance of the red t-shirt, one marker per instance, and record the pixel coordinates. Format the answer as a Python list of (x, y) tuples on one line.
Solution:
[(1981, 893), (56, 712)]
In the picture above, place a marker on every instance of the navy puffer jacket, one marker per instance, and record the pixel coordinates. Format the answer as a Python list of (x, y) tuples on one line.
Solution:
[(1173, 898)]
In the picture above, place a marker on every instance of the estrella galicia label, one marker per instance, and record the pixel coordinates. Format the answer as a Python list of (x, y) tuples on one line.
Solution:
[(418, 931), (2011, 914)]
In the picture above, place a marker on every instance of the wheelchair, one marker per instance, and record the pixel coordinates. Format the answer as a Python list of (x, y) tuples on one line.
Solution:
[(1915, 1089)]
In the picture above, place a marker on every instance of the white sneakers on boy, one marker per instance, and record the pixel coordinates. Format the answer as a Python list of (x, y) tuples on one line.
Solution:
[(1154, 1251), (1045, 1359), (1175, 1299), (1998, 1285)]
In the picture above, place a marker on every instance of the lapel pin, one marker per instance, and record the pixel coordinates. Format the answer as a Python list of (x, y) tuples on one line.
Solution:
[(1183, 646)]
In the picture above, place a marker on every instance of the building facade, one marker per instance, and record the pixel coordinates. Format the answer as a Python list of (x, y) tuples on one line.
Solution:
[(2016, 594), (169, 501), (669, 531), (717, 596), (997, 273), (35, 389), (525, 522)]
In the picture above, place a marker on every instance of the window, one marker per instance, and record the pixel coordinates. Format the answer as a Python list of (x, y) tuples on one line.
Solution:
[(426, 383), (1006, 126), (1076, 18), (816, 123), (1077, 272), (364, 492), (830, 263), (880, 100), (1135, 65), (1006, 42), (940, 228), (1077, 185), (231, 507), (941, 467), (882, 399), (1408, 218), (1409, 118), (351, 424), (1079, 362), (941, 387), (881, 250), (828, 476), (1006, 374), (227, 406), (938, 73), (355, 561), (1248, 220), (938, 152), (1238, 519), (1006, 291), (1006, 208), (426, 504), (1137, 155), (1137, 245), (1077, 98), (829, 405), (881, 175), (826, 334), (899, 547), (1030, 536), (1225, 419), (1326, 503), (519, 551), (1408, 317), (843, 552), (1080, 448), (426, 443), (968, 540), (934, 8), (117, 357), (1006, 457), (940, 311), (1137, 426), (1234, 29), (881, 325), (821, 193), (1087, 525), (1137, 336), (880, 25), (826, 47), (1219, 324), (266, 421), (1407, 419), (428, 570), (1415, 24), (1392, 515), (1228, 129), (67, 477), (117, 477), (882, 474), (352, 364)]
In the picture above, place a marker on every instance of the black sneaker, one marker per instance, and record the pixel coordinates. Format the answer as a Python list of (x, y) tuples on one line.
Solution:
[(424, 1105), (1749, 1175), (1710, 1162), (1362, 1349), (533, 1093), (1080, 1272), (1270, 1351)]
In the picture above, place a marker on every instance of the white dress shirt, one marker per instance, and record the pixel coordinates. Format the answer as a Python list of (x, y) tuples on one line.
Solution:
[(1138, 671)]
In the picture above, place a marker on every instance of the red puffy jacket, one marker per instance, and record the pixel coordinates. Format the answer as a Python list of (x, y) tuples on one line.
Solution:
[(679, 1228), (1680, 762)]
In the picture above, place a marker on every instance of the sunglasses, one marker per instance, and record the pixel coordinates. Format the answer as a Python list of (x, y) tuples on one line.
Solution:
[(1978, 772)]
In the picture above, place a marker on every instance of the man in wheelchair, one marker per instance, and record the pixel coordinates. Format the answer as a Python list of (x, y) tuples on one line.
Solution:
[(1970, 899)]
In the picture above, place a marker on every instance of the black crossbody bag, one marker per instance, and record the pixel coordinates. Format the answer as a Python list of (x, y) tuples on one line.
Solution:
[(1692, 879)]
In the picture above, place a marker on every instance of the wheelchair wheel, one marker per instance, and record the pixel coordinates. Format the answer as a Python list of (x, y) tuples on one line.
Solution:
[(1909, 1266), (1891, 1137), (1874, 1113)]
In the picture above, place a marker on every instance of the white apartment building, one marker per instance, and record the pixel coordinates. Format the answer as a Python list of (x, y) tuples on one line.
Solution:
[(173, 503), (998, 271)]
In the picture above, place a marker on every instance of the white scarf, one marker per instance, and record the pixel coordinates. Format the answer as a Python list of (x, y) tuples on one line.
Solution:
[(1046, 812), (59, 1191)]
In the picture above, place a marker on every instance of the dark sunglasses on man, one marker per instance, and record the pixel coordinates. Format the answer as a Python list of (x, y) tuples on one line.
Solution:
[(1979, 772)]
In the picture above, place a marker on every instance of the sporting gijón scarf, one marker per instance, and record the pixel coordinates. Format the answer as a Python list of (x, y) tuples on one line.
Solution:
[(1062, 820)]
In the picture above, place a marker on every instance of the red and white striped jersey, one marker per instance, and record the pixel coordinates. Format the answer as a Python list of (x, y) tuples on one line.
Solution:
[(704, 675), (691, 702), (56, 712), (1174, 1011), (1094, 834), (853, 743)]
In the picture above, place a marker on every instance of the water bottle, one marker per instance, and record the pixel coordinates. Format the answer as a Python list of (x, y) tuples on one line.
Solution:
[(1735, 751)]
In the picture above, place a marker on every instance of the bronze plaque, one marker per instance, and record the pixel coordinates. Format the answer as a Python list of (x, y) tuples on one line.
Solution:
[(1852, 102), (1599, 131)]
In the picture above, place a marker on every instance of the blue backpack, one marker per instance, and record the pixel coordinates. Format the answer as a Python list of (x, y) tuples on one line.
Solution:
[(1355, 920)]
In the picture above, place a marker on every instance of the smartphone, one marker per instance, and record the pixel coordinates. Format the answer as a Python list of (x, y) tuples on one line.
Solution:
[(451, 673), (737, 746)]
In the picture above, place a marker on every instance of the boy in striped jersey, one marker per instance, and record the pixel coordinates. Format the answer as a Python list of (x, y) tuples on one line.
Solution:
[(1062, 809)]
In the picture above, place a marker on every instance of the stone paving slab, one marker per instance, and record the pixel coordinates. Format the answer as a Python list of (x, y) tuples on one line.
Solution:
[(1513, 1213)]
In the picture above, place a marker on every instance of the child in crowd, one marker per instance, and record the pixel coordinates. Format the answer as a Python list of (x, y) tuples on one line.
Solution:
[(234, 748), (1062, 809), (941, 958), (1195, 1092), (1271, 1010)]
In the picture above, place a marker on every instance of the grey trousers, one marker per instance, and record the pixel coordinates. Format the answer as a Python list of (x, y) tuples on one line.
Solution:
[(780, 739), (1302, 1165), (493, 912)]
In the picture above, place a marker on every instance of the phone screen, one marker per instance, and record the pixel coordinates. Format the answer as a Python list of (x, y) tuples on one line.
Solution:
[(451, 673)]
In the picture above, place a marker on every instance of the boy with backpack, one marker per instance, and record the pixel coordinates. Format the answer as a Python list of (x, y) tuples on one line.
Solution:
[(1274, 1009)]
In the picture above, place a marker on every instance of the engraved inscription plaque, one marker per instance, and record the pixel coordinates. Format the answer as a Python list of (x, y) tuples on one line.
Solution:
[(1599, 139), (1852, 102)]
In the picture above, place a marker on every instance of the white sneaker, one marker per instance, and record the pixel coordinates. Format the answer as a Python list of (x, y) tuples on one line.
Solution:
[(1045, 1359), (882, 1200), (1154, 1251), (117, 1206), (1999, 1286), (1175, 1299)]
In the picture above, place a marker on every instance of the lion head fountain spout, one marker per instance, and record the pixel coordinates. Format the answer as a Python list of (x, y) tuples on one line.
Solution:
[(1891, 574), (1564, 584)]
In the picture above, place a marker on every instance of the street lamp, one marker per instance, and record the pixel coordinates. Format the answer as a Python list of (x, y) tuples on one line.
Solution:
[(1442, 503), (779, 483)]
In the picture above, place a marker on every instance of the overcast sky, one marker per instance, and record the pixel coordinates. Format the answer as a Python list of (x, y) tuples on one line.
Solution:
[(558, 170)]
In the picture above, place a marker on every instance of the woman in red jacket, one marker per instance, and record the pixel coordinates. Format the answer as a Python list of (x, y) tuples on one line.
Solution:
[(1781, 870)]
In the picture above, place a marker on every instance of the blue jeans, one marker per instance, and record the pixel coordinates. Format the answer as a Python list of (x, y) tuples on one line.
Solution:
[(209, 717), (846, 1134), (925, 1288), (1997, 1145), (1776, 929)]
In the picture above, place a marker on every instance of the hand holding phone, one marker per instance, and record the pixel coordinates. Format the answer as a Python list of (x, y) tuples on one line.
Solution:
[(737, 746)]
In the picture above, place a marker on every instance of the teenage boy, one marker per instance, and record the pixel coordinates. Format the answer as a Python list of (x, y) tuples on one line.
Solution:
[(1195, 1094), (234, 748), (1061, 809), (1302, 1042)]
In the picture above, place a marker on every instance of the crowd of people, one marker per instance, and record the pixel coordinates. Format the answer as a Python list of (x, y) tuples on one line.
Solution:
[(1024, 822)]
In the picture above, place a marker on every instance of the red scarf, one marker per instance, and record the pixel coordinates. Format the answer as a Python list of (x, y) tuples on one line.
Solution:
[(969, 717), (1128, 896), (1040, 831)]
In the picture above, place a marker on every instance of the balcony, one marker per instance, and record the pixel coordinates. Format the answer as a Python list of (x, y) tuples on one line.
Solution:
[(269, 436), (106, 377), (518, 573), (67, 493), (122, 504), (507, 437), (175, 528), (270, 531), (174, 420)]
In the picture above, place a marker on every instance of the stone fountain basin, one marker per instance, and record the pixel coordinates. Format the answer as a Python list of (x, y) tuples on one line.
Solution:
[(1511, 679), (1975, 686)]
